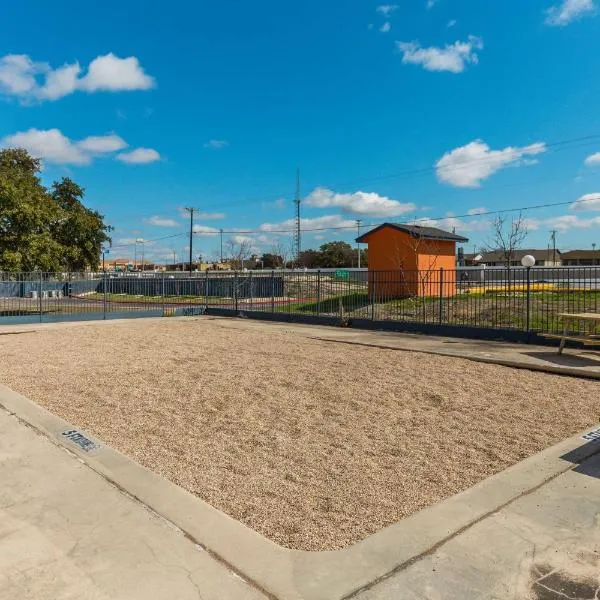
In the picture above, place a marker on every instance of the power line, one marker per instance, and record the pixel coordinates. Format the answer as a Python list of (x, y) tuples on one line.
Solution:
[(422, 219), (408, 173), (166, 237)]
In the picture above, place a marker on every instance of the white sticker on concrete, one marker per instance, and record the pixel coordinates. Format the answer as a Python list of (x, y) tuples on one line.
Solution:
[(592, 436), (82, 442)]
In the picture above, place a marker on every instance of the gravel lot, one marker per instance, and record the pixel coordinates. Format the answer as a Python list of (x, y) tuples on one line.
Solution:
[(314, 444)]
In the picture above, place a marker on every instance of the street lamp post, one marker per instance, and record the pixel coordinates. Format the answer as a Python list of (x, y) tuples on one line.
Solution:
[(139, 241)]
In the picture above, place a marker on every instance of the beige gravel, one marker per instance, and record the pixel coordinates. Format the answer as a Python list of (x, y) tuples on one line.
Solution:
[(314, 444)]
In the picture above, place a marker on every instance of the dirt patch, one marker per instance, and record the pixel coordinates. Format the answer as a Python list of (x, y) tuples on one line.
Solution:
[(314, 444)]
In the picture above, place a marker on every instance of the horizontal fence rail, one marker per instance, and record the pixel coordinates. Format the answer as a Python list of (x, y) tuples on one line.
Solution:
[(517, 299)]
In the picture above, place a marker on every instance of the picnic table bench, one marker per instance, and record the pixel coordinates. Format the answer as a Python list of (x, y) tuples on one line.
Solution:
[(590, 336)]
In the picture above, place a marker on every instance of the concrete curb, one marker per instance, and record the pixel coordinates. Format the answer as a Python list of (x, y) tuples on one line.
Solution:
[(503, 362), (291, 574)]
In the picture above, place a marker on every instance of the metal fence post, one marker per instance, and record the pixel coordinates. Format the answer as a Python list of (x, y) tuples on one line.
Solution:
[(163, 298), (528, 318), (235, 291), (251, 291), (441, 316), (273, 291), (318, 292), (373, 288), (40, 295), (104, 295), (206, 289)]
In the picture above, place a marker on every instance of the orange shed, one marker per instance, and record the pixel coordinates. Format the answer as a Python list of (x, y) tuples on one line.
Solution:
[(411, 260)]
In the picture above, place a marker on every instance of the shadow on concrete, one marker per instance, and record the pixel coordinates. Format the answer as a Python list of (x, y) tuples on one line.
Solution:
[(586, 457), (16, 332), (566, 360)]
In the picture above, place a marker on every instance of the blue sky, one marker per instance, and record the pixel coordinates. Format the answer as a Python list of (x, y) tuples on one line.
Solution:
[(414, 109)]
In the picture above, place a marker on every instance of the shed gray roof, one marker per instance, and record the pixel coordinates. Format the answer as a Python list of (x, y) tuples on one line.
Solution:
[(417, 231)]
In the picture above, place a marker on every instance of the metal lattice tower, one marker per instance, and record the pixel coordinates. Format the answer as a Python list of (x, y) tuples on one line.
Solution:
[(297, 239)]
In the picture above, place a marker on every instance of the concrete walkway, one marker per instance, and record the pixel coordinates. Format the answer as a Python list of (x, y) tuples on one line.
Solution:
[(66, 533), (543, 546), (578, 362)]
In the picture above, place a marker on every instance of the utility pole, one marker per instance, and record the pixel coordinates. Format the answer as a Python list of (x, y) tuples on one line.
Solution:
[(553, 239), (297, 239), (221, 233), (191, 211), (358, 223)]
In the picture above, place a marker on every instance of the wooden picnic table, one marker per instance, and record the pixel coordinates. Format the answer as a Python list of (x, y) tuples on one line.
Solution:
[(590, 336)]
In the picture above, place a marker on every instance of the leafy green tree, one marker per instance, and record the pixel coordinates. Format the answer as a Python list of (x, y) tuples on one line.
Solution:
[(79, 230), (42, 230), (271, 261), (26, 212), (336, 254)]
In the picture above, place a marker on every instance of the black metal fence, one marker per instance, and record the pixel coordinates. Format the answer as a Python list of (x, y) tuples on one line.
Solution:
[(518, 299)]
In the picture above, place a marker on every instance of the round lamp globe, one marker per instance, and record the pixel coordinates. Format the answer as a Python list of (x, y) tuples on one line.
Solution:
[(528, 261)]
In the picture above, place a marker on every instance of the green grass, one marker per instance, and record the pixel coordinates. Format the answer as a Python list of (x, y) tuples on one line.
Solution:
[(331, 304), (116, 298)]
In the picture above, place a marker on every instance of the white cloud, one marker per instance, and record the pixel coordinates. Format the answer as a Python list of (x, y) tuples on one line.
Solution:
[(139, 156), (241, 239), (477, 211), (565, 222), (50, 145), (567, 11), (385, 27), (453, 223), (18, 73), (431, 3), (99, 144), (32, 81), (216, 144), (452, 57), (359, 203), (451, 23), (206, 216), (279, 203), (113, 74), (202, 229), (469, 165), (593, 159), (316, 223), (161, 222), (59, 82), (387, 9), (210, 216), (587, 202)]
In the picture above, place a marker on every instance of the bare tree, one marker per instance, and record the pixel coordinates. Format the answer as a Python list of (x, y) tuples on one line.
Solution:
[(284, 249), (507, 237), (417, 273), (238, 251)]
